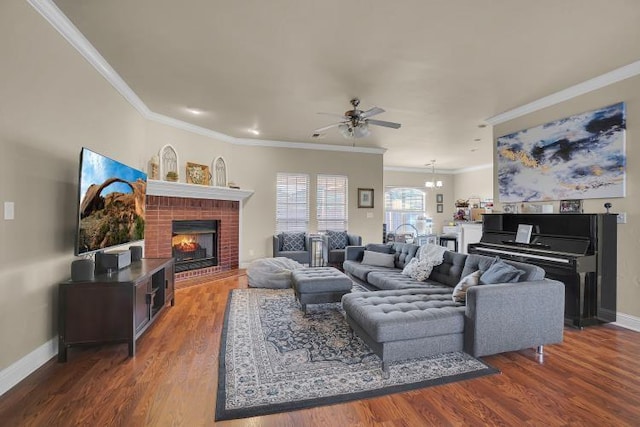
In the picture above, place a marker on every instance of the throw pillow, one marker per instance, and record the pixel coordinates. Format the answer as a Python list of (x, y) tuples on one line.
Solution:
[(293, 241), (410, 267), (378, 259), (460, 291), (337, 239), (500, 272)]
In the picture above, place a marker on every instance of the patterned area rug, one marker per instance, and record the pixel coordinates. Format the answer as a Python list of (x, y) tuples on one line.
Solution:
[(274, 358)]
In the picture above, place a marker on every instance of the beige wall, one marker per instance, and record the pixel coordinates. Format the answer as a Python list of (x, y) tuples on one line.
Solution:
[(53, 103), (474, 184), (258, 167), (628, 234)]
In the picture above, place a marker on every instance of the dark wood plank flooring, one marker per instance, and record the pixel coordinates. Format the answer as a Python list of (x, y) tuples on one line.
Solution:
[(592, 379)]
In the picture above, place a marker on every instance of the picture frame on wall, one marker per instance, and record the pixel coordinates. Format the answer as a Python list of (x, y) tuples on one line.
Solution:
[(365, 197), (571, 206), (439, 198), (439, 208)]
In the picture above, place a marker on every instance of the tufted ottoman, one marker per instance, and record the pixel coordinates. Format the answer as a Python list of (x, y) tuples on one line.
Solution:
[(408, 323), (317, 285)]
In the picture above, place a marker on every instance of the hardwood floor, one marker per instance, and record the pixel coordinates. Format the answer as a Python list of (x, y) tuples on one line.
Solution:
[(593, 378)]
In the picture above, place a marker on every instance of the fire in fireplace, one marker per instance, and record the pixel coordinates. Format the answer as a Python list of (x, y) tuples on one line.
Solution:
[(194, 244)]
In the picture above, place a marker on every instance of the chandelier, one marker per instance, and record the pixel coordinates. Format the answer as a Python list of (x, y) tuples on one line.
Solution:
[(433, 183)]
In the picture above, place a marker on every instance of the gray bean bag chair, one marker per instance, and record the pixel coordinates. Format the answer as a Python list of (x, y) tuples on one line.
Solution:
[(274, 273)]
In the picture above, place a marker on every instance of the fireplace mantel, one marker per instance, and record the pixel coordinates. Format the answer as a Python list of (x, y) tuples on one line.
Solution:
[(194, 191)]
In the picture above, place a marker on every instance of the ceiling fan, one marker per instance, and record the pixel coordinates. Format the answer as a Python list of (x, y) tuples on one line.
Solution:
[(355, 123)]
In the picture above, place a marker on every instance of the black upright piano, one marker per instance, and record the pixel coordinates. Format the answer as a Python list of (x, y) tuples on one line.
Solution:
[(579, 250)]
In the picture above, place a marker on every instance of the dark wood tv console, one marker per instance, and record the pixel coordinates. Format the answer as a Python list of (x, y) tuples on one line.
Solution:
[(114, 307)]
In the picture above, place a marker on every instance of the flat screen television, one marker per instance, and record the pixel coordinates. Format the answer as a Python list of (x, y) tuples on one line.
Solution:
[(111, 203)]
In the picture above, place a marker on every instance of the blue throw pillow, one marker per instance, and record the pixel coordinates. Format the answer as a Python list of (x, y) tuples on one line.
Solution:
[(500, 272), (337, 239), (293, 241)]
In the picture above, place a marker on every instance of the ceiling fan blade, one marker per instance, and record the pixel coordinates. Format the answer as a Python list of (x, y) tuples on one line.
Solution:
[(322, 129), (371, 112), (384, 123)]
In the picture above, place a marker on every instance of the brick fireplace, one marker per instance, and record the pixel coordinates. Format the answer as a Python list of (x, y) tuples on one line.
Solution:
[(161, 211)]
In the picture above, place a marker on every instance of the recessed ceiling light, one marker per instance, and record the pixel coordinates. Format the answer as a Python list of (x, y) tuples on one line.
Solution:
[(482, 126), (254, 131), (477, 140), (195, 111)]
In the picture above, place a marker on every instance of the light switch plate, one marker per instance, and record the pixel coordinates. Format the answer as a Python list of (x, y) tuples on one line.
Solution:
[(622, 218), (9, 210)]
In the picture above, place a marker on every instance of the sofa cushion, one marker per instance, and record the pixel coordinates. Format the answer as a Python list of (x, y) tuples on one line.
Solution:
[(378, 259), (361, 271), (379, 247), (337, 239), (405, 314), (403, 253), (480, 262), (293, 241), (450, 271), (394, 279), (460, 291), (500, 272)]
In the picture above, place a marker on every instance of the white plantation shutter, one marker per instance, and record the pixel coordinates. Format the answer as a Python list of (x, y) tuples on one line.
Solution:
[(332, 202), (292, 202)]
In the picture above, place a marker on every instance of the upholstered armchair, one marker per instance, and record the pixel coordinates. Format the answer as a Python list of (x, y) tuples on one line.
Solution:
[(333, 244), (292, 245)]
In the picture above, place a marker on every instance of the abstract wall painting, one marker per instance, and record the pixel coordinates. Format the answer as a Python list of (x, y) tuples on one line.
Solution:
[(579, 157)]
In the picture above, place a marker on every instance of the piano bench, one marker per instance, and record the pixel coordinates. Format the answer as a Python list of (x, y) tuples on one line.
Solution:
[(407, 323)]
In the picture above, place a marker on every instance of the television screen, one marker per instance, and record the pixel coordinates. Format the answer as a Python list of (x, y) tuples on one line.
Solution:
[(111, 203)]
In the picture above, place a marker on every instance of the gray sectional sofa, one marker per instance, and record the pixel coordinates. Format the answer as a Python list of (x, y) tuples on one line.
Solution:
[(406, 318)]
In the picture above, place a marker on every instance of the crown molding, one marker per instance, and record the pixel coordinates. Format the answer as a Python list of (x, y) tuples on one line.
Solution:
[(308, 146), (595, 83), (440, 171), (71, 34), (189, 127)]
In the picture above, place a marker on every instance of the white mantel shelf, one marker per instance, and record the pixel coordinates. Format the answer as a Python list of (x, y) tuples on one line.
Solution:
[(194, 191)]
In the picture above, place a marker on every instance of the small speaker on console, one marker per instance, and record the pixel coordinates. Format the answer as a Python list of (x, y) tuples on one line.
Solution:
[(136, 253), (82, 270), (112, 260)]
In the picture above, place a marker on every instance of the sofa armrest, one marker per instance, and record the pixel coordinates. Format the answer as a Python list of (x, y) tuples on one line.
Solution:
[(513, 316), (353, 253), (276, 246)]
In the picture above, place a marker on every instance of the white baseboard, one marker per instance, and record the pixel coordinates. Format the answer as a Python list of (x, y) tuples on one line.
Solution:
[(628, 321), (22, 368)]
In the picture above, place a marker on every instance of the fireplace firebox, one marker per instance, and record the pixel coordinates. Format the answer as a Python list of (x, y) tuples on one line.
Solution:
[(194, 244)]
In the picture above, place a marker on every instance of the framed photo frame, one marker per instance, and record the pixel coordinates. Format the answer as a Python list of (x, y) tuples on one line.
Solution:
[(571, 206), (510, 208), (439, 208), (198, 174), (439, 198), (365, 197)]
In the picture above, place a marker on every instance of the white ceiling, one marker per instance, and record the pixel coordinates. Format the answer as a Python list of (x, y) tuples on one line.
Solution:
[(438, 67)]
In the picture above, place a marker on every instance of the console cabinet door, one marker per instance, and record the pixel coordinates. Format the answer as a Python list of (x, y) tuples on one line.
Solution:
[(142, 306), (169, 284)]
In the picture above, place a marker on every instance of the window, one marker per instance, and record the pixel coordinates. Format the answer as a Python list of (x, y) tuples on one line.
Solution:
[(332, 202), (406, 206), (292, 202)]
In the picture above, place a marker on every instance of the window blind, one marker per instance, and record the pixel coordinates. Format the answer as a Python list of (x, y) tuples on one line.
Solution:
[(292, 202), (332, 202)]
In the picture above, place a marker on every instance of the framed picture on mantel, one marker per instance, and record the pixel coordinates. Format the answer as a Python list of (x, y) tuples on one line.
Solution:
[(365, 197)]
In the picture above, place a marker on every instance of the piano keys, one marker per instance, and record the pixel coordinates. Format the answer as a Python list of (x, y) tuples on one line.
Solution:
[(579, 250)]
